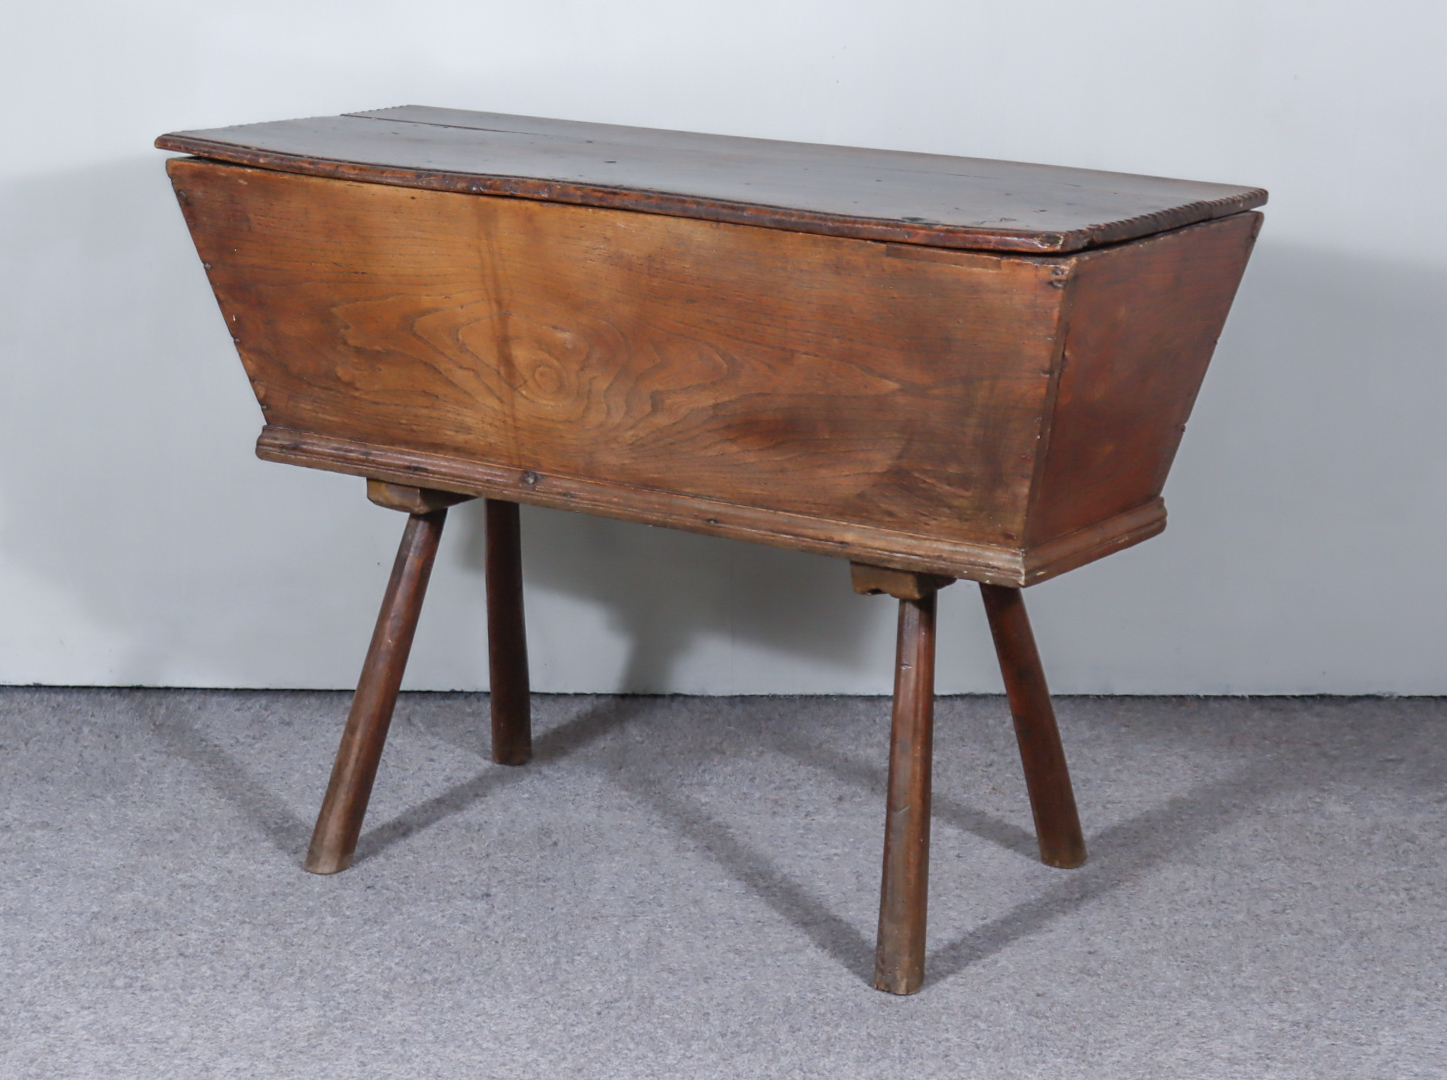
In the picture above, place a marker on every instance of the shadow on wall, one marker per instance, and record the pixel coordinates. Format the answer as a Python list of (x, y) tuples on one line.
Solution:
[(141, 542), (664, 591)]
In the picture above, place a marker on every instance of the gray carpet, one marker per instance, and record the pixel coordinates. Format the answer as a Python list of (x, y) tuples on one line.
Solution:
[(686, 887)]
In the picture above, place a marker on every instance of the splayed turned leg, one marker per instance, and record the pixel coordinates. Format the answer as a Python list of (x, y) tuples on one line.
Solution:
[(345, 805), (904, 885), (1052, 799)]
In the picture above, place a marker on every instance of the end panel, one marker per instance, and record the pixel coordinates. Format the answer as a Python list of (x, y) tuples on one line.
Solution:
[(1142, 325)]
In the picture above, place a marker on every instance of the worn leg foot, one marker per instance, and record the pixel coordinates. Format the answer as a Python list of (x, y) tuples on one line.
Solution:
[(507, 643), (340, 821), (1057, 824), (904, 892)]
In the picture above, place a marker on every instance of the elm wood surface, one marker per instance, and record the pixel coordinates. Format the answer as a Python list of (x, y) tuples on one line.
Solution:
[(893, 404), (1052, 800), (507, 641), (904, 884), (340, 821), (865, 194)]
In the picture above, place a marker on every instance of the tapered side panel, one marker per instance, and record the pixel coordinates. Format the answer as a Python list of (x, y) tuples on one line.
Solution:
[(838, 379), (1143, 321)]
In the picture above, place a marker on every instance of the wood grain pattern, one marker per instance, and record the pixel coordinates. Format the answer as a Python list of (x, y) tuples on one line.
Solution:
[(879, 401), (852, 192), (783, 371), (956, 413)]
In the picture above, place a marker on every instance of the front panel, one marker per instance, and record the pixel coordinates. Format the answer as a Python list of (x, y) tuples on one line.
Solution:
[(887, 386)]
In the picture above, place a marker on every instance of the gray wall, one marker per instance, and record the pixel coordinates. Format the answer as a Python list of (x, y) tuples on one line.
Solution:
[(141, 542)]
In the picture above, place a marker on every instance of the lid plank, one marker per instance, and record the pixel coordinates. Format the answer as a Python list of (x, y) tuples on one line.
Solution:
[(932, 199)]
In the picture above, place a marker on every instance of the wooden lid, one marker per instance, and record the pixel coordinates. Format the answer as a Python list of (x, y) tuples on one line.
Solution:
[(929, 199)]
